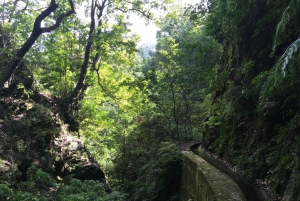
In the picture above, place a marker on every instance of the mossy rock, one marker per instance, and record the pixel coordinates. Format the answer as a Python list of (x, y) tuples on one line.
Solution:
[(6, 169), (27, 133), (71, 159)]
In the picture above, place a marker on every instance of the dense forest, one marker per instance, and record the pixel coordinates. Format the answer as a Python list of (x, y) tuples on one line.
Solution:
[(223, 72)]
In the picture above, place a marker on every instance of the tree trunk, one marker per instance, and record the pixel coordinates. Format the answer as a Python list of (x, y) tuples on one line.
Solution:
[(36, 32), (84, 67)]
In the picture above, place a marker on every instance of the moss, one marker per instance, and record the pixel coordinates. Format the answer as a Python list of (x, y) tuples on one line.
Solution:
[(27, 133)]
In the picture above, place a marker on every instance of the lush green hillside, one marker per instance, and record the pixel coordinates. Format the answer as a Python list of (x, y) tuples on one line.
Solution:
[(223, 71)]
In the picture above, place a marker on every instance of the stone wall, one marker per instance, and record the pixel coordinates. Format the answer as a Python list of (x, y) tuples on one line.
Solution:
[(200, 181)]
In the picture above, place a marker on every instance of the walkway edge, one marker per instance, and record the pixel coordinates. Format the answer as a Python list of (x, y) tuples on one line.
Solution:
[(201, 181)]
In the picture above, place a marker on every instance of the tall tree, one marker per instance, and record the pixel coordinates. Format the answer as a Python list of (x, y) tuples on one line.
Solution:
[(99, 12), (179, 73), (36, 32)]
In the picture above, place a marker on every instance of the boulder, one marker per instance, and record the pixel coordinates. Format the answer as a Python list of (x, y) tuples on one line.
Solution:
[(72, 158), (6, 169)]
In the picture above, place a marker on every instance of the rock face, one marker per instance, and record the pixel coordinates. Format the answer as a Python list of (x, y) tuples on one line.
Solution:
[(71, 157), (201, 181), (32, 134), (5, 169), (26, 135)]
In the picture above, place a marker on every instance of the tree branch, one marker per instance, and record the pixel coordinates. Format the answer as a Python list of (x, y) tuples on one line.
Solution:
[(60, 18), (144, 13), (36, 32), (84, 67)]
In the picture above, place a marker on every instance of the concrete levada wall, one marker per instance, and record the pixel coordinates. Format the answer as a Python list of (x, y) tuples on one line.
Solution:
[(200, 181)]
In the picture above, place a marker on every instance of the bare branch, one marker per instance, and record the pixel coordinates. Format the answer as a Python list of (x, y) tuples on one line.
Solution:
[(144, 13)]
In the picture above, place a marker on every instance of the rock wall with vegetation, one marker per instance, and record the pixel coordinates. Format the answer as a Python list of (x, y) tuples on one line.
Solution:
[(40, 159), (201, 181)]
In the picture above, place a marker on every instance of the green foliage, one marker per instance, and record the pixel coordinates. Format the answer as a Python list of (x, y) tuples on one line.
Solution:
[(255, 88), (5, 191), (289, 17), (148, 169), (178, 74), (283, 154), (40, 186), (88, 190), (38, 181), (228, 73), (157, 176), (115, 94), (57, 69), (283, 75)]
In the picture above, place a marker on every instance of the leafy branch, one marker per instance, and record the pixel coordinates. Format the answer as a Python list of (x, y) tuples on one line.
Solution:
[(36, 32)]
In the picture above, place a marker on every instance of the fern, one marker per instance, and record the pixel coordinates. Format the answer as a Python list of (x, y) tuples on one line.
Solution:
[(286, 17), (290, 13), (155, 177), (277, 75), (288, 55)]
